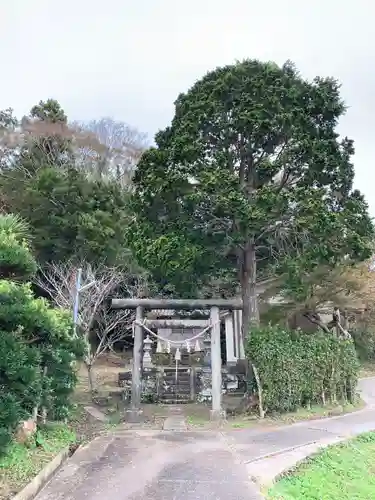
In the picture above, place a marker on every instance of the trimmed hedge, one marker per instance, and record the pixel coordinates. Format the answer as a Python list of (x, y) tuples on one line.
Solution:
[(297, 369)]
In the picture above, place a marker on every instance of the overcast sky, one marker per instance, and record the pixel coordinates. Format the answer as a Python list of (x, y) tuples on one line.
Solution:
[(129, 59)]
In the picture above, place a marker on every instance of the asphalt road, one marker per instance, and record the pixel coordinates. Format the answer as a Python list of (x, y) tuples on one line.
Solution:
[(163, 465), (150, 465)]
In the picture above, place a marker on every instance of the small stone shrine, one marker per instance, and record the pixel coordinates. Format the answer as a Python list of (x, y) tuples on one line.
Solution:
[(179, 358)]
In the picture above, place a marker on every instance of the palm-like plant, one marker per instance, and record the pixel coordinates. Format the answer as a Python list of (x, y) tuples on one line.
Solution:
[(14, 225), (16, 260)]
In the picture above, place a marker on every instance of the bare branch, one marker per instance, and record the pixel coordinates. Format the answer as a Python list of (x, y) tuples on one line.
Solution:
[(112, 149), (95, 314), (314, 318)]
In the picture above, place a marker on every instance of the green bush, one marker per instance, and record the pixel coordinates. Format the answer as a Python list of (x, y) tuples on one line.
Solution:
[(37, 350), (15, 258), (297, 369), (37, 343), (20, 383)]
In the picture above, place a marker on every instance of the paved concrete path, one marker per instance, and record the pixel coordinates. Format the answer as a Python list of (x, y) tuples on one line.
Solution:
[(145, 465)]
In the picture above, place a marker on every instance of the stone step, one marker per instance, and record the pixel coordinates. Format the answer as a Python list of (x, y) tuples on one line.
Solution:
[(179, 374), (175, 397), (176, 390), (178, 382), (169, 384), (174, 393), (175, 423), (169, 369), (170, 395), (176, 386), (174, 401), (172, 372), (179, 379)]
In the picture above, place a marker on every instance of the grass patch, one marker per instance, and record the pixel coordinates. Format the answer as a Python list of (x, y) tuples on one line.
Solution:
[(196, 421), (341, 472), (22, 463)]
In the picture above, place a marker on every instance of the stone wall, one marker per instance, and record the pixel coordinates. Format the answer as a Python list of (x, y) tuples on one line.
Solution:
[(150, 386), (232, 383)]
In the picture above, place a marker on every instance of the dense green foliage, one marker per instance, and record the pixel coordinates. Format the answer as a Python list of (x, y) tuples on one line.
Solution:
[(16, 260), (37, 345), (16, 257), (296, 369), (72, 215), (250, 178)]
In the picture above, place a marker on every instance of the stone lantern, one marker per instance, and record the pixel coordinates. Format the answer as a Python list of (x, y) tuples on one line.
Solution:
[(147, 347)]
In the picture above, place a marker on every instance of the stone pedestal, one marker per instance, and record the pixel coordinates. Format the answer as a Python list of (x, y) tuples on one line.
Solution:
[(134, 416), (147, 346), (150, 392), (205, 385), (217, 415)]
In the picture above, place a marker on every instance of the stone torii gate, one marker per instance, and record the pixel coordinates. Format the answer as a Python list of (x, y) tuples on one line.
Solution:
[(214, 305)]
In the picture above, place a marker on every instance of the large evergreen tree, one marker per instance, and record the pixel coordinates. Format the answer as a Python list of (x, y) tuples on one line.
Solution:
[(250, 177)]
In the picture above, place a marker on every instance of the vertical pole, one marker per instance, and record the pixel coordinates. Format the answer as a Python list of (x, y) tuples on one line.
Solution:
[(192, 383), (137, 367), (76, 299), (229, 339), (216, 412), (241, 340), (236, 327)]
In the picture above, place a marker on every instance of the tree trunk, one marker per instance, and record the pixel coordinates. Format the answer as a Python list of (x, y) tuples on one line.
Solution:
[(260, 392), (90, 378), (250, 313), (44, 409), (248, 278)]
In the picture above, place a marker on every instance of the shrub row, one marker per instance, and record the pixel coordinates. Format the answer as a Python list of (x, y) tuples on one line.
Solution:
[(298, 369)]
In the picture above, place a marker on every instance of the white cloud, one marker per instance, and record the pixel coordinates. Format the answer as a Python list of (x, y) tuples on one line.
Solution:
[(131, 59)]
